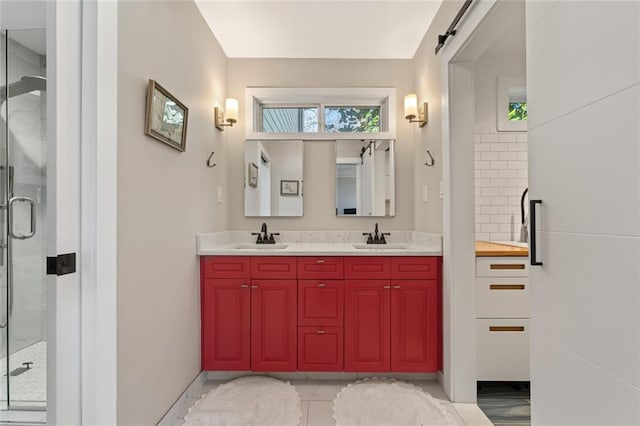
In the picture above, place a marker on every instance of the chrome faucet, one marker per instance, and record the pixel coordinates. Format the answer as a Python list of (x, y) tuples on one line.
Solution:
[(524, 220), (263, 236)]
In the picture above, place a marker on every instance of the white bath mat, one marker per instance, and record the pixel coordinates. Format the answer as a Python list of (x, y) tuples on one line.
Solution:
[(248, 401), (386, 402)]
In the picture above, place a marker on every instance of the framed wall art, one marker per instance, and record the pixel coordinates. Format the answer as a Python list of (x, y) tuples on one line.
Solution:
[(166, 118)]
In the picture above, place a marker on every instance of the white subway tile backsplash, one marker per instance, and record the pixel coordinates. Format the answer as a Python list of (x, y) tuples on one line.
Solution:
[(501, 176), (490, 227), (491, 156), (498, 164), (507, 173), (489, 174), (501, 218), (484, 209), (507, 137), (518, 147), (509, 156)]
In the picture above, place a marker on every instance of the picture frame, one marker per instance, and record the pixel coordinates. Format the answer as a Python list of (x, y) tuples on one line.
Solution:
[(290, 188), (166, 117), (252, 175)]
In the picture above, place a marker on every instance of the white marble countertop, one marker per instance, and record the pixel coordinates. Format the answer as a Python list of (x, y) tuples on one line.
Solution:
[(319, 243)]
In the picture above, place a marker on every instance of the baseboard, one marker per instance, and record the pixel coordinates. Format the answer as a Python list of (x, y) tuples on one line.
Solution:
[(180, 407), (302, 375)]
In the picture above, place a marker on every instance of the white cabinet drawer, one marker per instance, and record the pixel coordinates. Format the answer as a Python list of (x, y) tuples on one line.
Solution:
[(502, 349), (502, 267), (502, 297)]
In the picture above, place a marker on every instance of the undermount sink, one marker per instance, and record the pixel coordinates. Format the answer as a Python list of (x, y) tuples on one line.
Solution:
[(260, 246), (379, 246)]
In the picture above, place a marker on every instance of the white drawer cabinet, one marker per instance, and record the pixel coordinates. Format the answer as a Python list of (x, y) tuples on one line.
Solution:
[(502, 297), (503, 349), (502, 267), (502, 318)]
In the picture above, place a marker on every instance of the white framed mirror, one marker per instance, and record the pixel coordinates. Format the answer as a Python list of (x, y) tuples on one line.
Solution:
[(365, 178), (274, 177)]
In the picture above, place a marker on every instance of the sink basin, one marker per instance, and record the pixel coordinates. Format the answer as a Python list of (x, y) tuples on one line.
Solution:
[(260, 247), (379, 246)]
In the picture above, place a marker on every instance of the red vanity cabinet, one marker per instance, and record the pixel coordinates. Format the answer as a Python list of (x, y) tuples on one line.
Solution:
[(249, 313), (393, 324), (314, 313)]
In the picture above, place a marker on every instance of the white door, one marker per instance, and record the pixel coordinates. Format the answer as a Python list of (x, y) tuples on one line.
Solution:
[(583, 79)]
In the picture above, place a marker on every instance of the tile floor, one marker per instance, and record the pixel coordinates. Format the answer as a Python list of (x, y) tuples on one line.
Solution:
[(505, 403), (317, 402)]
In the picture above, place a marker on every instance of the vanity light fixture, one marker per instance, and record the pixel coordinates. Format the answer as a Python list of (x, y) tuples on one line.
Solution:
[(231, 107), (411, 110)]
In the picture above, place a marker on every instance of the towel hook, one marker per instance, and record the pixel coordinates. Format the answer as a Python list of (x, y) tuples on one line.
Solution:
[(432, 162), (209, 163)]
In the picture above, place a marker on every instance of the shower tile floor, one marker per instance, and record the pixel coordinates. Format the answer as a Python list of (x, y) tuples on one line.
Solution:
[(28, 389)]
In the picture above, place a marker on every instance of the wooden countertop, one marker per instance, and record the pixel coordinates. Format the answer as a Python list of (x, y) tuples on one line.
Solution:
[(486, 249)]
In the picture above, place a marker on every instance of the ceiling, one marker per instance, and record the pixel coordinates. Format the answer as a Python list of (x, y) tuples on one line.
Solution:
[(391, 29)]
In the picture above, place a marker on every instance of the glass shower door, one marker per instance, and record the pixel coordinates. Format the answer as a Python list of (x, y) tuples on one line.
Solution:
[(23, 160)]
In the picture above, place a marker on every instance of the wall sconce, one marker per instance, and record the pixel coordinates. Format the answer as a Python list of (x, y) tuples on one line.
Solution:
[(231, 107), (411, 110)]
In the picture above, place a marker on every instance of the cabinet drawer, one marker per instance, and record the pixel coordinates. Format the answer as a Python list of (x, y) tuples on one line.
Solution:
[(328, 268), (416, 267), (374, 267), (226, 266), (320, 302), (502, 349), (320, 348), (502, 297), (502, 267), (273, 267)]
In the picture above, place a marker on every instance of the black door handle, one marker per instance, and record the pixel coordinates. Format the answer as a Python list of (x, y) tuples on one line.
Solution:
[(532, 228)]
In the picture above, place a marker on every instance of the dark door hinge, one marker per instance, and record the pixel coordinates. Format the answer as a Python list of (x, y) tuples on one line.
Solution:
[(61, 264)]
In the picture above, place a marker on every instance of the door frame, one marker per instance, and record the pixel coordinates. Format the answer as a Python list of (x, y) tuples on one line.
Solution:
[(82, 140), (458, 227)]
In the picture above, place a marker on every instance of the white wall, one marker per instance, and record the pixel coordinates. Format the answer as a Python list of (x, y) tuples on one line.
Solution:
[(165, 197), (427, 84), (319, 156), (500, 157)]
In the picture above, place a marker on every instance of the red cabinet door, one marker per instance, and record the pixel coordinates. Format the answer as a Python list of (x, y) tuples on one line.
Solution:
[(320, 302), (415, 325), (367, 325), (225, 324), (320, 348), (273, 325)]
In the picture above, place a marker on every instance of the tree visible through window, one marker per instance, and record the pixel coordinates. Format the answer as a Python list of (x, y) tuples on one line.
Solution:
[(351, 119), (517, 111)]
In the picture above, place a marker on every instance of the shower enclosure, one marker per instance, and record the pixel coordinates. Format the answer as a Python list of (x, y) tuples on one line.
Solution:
[(23, 172)]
